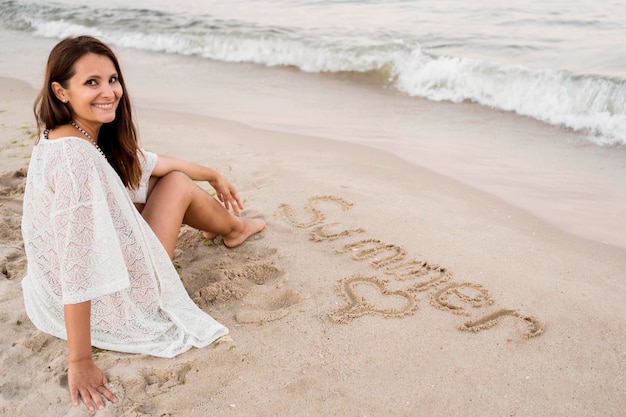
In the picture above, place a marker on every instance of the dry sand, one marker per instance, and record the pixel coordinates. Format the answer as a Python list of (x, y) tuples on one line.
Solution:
[(378, 289)]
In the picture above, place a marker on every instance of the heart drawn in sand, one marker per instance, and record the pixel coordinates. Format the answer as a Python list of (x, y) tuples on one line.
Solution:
[(370, 295)]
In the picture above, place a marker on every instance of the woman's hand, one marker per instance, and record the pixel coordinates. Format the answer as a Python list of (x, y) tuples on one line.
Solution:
[(88, 382), (226, 193), (85, 379)]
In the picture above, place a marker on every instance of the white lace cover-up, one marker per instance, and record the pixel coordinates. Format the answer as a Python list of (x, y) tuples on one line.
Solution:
[(85, 240)]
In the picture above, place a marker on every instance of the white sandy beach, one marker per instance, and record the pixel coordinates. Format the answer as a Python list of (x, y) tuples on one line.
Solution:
[(378, 289)]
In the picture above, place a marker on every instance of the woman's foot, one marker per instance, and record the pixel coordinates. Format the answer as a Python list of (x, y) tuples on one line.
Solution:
[(248, 227)]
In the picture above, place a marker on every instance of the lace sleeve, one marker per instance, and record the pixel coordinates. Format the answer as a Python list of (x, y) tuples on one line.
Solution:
[(148, 161), (90, 256)]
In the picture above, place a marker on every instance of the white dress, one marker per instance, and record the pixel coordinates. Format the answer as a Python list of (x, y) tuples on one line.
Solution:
[(85, 240)]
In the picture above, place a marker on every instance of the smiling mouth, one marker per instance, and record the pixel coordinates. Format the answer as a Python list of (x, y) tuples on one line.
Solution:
[(108, 106)]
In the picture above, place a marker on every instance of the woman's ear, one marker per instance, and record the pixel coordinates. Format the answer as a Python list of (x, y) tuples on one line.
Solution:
[(59, 91)]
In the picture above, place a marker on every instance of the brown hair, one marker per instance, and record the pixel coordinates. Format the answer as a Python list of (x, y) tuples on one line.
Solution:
[(118, 139)]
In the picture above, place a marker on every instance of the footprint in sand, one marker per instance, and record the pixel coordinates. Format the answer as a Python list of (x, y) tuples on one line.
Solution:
[(227, 280), (214, 275), (161, 380), (262, 308)]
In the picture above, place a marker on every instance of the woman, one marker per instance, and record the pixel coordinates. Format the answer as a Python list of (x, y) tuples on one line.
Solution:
[(100, 223)]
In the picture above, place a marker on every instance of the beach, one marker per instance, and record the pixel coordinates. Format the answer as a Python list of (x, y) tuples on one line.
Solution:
[(379, 288), (443, 186)]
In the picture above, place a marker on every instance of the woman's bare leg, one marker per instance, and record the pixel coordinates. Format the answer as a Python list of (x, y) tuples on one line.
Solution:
[(175, 199)]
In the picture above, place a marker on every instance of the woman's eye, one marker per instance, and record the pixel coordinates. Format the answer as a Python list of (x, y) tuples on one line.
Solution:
[(91, 83), (113, 80)]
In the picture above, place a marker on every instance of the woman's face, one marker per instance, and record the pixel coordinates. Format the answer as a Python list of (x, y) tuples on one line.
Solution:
[(94, 91)]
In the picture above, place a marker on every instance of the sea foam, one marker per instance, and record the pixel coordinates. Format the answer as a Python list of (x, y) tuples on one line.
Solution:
[(589, 103)]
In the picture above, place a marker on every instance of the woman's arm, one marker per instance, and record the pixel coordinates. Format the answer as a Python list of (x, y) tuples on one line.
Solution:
[(85, 379), (225, 191)]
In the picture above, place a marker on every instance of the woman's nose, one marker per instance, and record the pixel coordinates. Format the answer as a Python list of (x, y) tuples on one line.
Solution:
[(107, 90)]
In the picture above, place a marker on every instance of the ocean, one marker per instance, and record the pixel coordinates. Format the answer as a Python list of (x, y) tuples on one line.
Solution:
[(506, 83)]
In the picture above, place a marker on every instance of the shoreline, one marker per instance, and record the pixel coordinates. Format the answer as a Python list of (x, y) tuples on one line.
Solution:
[(553, 173), (583, 213), (17, 88)]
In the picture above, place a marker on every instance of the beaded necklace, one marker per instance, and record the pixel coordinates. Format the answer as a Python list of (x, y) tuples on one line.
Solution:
[(81, 130)]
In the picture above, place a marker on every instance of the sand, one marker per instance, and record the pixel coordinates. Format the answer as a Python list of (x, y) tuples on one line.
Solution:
[(379, 288)]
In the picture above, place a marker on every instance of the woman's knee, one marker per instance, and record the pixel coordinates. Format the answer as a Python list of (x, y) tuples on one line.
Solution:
[(178, 181), (174, 184), (177, 176)]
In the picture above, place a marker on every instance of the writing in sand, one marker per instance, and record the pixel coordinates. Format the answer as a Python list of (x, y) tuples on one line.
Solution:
[(372, 295)]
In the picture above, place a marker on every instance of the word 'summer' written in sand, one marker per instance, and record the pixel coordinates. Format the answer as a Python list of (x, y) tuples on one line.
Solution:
[(371, 295)]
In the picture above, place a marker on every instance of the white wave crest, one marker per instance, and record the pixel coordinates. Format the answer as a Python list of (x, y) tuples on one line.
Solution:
[(584, 103), (62, 29), (591, 104)]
